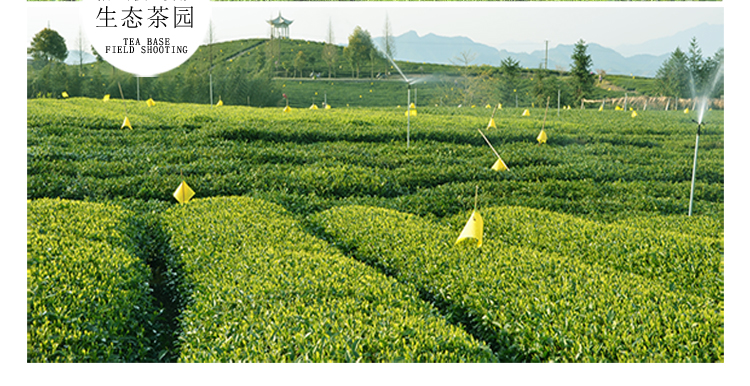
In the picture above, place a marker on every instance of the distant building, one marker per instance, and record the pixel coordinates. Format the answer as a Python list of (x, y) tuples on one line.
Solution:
[(280, 27)]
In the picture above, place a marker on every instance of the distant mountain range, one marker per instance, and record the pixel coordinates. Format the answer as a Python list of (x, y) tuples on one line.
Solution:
[(642, 59)]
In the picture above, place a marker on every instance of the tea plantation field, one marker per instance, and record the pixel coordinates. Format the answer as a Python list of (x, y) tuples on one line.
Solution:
[(320, 236)]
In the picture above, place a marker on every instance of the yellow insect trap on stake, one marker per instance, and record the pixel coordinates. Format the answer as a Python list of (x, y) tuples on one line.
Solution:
[(542, 137), (150, 103), (499, 165), (474, 227), (492, 120), (287, 109), (526, 113), (183, 193), (106, 98), (313, 107), (126, 122)]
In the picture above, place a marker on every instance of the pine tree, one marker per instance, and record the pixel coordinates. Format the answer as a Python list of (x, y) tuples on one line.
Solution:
[(583, 79)]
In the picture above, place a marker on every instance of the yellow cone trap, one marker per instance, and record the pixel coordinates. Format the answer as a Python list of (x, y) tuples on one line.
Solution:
[(126, 122), (499, 166), (183, 193), (473, 229), (542, 137)]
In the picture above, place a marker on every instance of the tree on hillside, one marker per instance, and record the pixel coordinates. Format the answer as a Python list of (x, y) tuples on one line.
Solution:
[(464, 60), (687, 75), (358, 50), (583, 80), (695, 66), (468, 86), (273, 53), (299, 62), (510, 69), (48, 46), (715, 72), (330, 53), (673, 76), (79, 46)]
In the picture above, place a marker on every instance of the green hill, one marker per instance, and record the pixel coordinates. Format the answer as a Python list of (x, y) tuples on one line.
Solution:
[(259, 72)]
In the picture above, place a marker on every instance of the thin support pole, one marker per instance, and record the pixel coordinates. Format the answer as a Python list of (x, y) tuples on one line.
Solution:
[(488, 142), (695, 161), (476, 197), (408, 114), (123, 98)]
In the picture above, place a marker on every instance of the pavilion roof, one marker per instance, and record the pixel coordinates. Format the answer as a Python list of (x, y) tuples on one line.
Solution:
[(280, 20)]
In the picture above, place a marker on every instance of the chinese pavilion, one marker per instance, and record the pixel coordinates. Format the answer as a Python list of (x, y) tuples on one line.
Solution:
[(280, 27)]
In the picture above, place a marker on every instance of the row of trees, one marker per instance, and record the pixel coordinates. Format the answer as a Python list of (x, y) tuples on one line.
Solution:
[(690, 75), (509, 84)]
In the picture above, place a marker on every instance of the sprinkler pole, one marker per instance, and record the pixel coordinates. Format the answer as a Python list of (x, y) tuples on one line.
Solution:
[(695, 160), (408, 112)]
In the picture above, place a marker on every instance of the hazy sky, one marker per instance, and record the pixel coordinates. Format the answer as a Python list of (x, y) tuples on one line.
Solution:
[(517, 28)]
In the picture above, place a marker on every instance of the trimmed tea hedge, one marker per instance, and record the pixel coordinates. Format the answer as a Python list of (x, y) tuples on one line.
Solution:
[(531, 305), (88, 297), (266, 291)]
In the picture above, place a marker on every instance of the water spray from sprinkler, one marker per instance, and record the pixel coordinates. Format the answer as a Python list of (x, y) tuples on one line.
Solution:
[(701, 109), (408, 98)]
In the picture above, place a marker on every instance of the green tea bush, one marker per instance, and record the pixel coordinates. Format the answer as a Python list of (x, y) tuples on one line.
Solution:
[(688, 262), (263, 290), (531, 305), (88, 298)]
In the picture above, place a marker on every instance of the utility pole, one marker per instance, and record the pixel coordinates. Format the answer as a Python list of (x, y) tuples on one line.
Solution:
[(546, 49)]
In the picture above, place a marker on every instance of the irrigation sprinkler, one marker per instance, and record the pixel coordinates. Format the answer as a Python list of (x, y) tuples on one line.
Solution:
[(695, 161), (700, 104), (408, 99), (408, 112)]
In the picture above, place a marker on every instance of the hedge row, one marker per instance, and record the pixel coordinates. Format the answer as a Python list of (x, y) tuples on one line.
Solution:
[(527, 304), (266, 291), (88, 296)]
